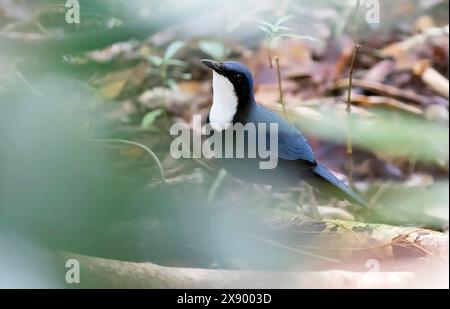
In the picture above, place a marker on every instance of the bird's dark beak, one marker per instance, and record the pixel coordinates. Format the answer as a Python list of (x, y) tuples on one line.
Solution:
[(213, 65)]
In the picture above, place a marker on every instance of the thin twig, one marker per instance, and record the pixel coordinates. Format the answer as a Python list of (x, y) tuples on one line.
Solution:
[(349, 97), (269, 55), (384, 90), (296, 250), (379, 193), (374, 101), (396, 241), (30, 86), (313, 203), (280, 87)]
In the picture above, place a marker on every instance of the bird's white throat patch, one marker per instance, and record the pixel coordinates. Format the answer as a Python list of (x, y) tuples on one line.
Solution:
[(225, 103)]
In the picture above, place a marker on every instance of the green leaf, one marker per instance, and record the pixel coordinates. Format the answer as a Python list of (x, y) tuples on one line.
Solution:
[(186, 76), (156, 60), (284, 28), (301, 37), (274, 29), (265, 23), (172, 84), (153, 71), (172, 49), (176, 62), (270, 27), (150, 118), (397, 135), (214, 49), (283, 20), (266, 30)]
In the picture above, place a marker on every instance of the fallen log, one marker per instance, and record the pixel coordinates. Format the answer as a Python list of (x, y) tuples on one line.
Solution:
[(103, 273), (421, 261)]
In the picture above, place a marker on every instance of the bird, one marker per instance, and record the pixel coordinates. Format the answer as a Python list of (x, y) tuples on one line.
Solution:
[(234, 103)]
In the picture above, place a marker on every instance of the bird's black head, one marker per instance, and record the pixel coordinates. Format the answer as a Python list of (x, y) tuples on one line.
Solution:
[(238, 75)]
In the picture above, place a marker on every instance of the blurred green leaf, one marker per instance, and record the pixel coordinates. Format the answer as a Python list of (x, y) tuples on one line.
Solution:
[(186, 76), (214, 49), (301, 37), (265, 23), (176, 62), (150, 117), (265, 29), (283, 20), (401, 136), (172, 84), (172, 49), (156, 60), (284, 28)]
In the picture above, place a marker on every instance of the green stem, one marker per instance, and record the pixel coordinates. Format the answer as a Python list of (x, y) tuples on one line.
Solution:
[(136, 144)]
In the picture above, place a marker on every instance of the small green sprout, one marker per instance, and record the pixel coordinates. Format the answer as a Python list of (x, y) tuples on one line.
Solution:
[(277, 31), (151, 117), (165, 63)]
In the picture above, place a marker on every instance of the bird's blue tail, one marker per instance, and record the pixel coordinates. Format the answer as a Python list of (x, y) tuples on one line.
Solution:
[(327, 182)]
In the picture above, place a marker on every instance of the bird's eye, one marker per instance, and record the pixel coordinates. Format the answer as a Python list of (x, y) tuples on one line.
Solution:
[(238, 76)]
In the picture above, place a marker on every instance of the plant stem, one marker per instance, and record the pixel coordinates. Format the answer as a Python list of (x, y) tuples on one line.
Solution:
[(216, 185), (269, 53), (269, 50), (154, 157), (280, 87), (313, 211), (349, 98)]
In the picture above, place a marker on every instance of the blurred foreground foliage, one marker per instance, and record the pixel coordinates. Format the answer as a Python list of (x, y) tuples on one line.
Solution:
[(130, 70)]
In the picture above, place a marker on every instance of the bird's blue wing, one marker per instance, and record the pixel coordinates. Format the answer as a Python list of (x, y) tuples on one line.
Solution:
[(292, 145)]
